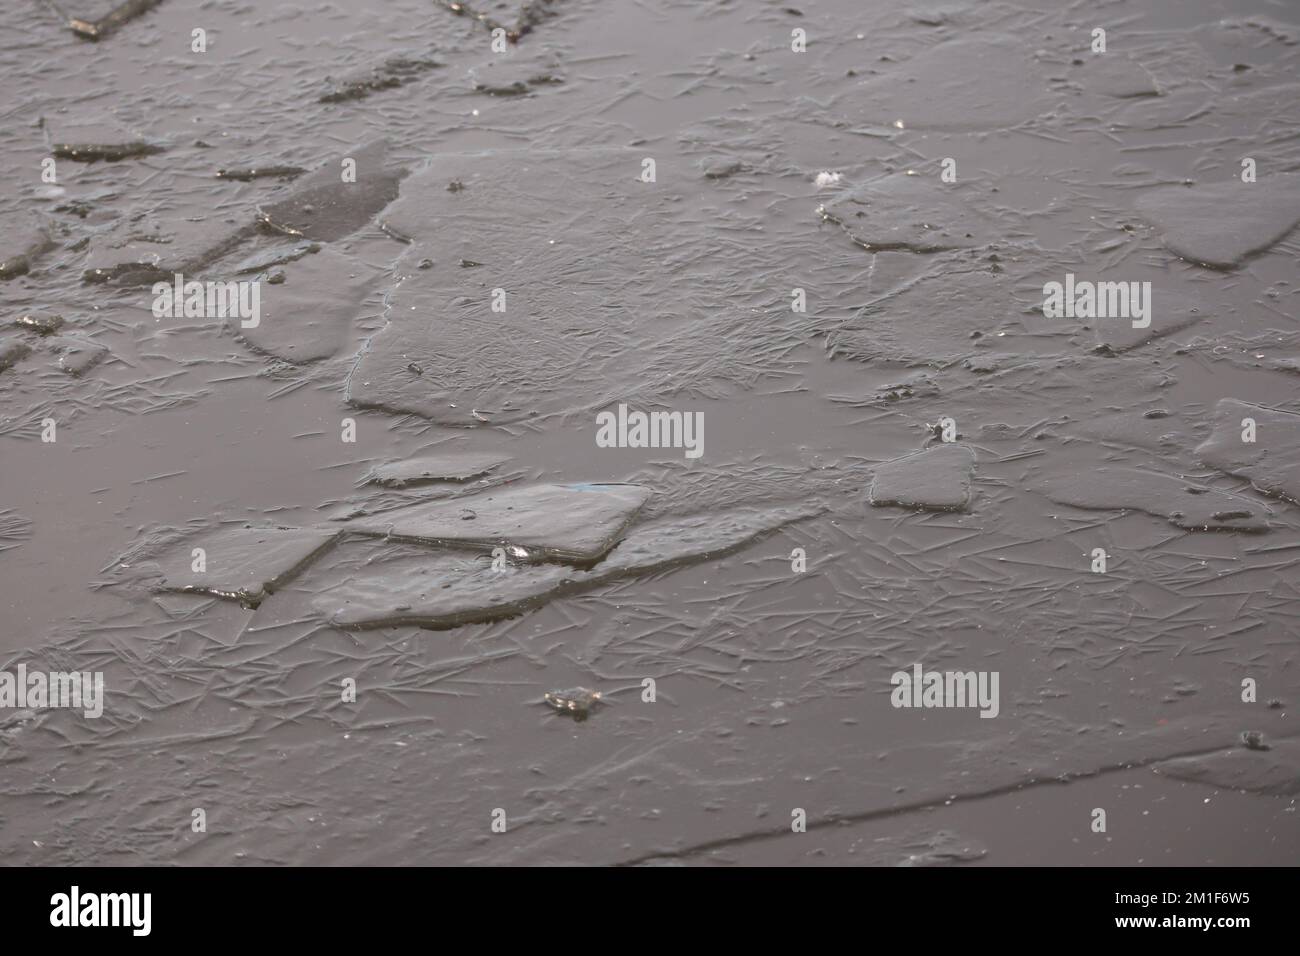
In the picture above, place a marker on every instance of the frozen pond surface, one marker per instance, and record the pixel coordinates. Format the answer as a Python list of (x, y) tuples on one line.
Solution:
[(333, 557)]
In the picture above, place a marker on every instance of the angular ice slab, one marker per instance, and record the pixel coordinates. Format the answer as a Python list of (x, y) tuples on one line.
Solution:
[(245, 564), (324, 207), (938, 479), (569, 522), (447, 466), (445, 590)]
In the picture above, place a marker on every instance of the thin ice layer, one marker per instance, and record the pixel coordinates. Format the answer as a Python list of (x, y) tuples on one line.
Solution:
[(540, 282), (987, 82), (936, 321), (308, 316), (243, 563), (446, 466), (447, 590), (916, 213), (1221, 223), (937, 479), (1170, 313), (1187, 505), (1275, 771), (1271, 461), (575, 522), (324, 206), (20, 247)]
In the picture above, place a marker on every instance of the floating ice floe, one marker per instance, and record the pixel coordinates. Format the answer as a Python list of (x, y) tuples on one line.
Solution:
[(1221, 224), (324, 206), (569, 522), (1271, 461), (446, 590), (937, 479), (245, 564), (446, 466)]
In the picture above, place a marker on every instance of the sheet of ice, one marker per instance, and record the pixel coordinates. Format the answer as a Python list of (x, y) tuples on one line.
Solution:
[(1271, 461), (1220, 224), (937, 479), (934, 89), (1170, 312), (1188, 505), (21, 245), (77, 355), (392, 72), (444, 590), (245, 564), (936, 321), (308, 316), (323, 206), (526, 293), (916, 213), (13, 350), (444, 466), (573, 522), (1275, 771)]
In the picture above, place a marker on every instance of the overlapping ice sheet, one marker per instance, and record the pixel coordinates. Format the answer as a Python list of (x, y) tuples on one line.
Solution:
[(444, 466), (243, 563), (443, 590), (574, 522)]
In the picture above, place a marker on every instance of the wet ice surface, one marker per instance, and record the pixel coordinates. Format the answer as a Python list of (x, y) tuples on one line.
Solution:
[(329, 561)]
